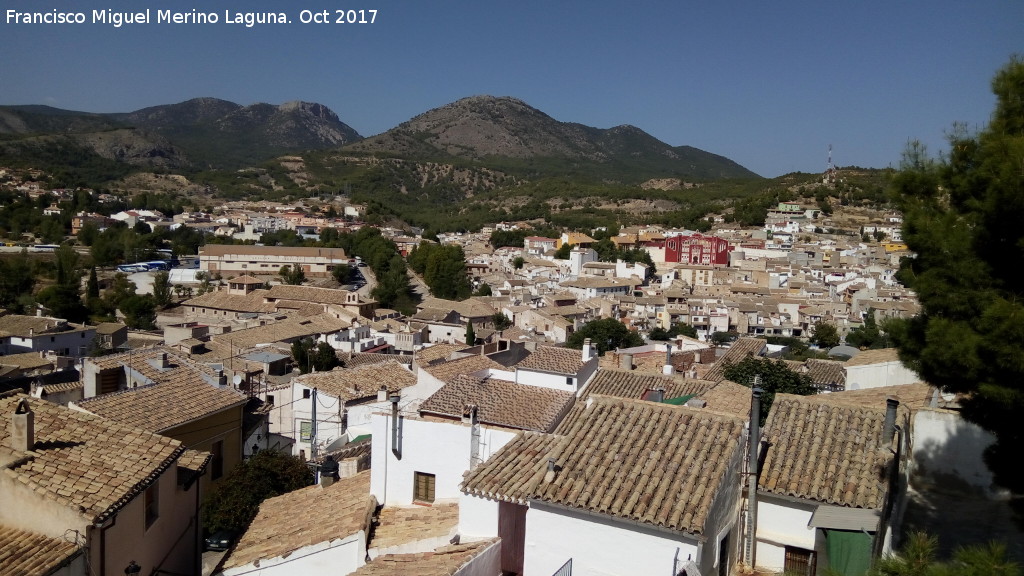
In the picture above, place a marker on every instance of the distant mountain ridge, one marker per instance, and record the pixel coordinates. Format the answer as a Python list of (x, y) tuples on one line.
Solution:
[(202, 132), (485, 128)]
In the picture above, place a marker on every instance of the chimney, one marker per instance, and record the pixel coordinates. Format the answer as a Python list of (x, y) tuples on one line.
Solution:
[(162, 358), (587, 350), (396, 448), (656, 394), (222, 378), (549, 476), (891, 404), (382, 394), (754, 447), (626, 361), (23, 427), (668, 369)]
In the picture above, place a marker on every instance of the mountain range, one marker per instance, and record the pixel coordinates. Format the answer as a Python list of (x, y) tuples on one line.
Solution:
[(501, 133)]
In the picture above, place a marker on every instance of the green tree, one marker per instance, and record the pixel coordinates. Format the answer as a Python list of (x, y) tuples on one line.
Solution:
[(139, 311), (161, 289), (919, 557), (722, 338), (962, 219), (563, 251), (342, 272), (825, 335), (677, 329), (470, 334), (869, 335), (606, 334), (92, 288), (267, 474), (775, 377), (501, 322), (17, 279), (310, 356), (292, 274), (518, 262)]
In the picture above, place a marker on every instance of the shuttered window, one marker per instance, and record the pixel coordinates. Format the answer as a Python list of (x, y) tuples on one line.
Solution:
[(424, 487)]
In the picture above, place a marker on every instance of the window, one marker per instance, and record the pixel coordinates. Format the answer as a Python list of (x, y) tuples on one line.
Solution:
[(217, 462), (569, 380), (424, 487), (305, 393), (799, 561), (270, 399), (152, 501)]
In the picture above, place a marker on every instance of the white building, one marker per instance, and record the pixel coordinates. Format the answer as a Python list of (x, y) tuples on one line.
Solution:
[(877, 368), (41, 333)]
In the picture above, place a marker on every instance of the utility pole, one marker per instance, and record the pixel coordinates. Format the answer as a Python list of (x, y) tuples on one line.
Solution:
[(312, 437)]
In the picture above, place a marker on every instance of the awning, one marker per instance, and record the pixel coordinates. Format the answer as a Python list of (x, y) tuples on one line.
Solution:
[(843, 518)]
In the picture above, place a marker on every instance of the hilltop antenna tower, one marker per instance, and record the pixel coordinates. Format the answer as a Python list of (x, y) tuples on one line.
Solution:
[(830, 169)]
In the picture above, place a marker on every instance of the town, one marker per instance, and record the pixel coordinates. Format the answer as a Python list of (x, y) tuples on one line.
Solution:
[(541, 407)]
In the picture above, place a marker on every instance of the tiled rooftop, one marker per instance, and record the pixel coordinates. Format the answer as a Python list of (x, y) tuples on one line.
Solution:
[(823, 449), (404, 524), (651, 463), (28, 554), (740, 349), (553, 359), (291, 328), (868, 357), (308, 294), (444, 561), (352, 384), (179, 394), (448, 371), (501, 403), (912, 396), (222, 300), (327, 514), (84, 462), (825, 373)]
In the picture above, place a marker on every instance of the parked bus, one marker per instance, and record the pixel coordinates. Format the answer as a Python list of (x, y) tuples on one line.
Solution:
[(45, 248)]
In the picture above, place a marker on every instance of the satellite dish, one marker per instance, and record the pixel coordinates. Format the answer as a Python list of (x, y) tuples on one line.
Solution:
[(237, 379)]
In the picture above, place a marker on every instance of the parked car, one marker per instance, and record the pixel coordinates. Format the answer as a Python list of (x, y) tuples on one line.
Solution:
[(220, 540)]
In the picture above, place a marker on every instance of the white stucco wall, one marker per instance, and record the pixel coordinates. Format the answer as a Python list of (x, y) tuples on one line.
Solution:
[(781, 523), (439, 448), (877, 375), (341, 556), (478, 517), (486, 563), (598, 545), (947, 448)]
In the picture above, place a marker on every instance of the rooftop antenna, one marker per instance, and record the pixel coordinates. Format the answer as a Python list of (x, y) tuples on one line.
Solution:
[(830, 169)]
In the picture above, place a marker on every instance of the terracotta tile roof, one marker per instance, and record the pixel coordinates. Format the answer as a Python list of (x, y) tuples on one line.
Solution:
[(436, 353), (912, 396), (404, 524), (822, 449), (444, 561), (252, 302), (28, 554), (27, 326), (874, 357), (469, 308), (182, 393), (308, 294), (25, 360), (192, 464), (729, 398), (273, 251), (365, 358), (448, 371), (740, 349), (327, 514), (501, 403), (291, 328), (651, 463), (825, 373), (631, 384), (553, 359), (354, 384), (89, 464)]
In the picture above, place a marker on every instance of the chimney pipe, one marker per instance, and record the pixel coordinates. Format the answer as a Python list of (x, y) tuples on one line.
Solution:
[(668, 369), (891, 404), (587, 350), (657, 394), (163, 360), (23, 427), (395, 447), (626, 361), (753, 445)]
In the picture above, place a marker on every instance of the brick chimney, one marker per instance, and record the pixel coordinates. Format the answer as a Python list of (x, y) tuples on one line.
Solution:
[(23, 429)]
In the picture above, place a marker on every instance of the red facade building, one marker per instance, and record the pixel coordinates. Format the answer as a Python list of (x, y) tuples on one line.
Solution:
[(697, 249)]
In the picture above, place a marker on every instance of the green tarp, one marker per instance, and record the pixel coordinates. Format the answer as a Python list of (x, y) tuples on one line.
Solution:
[(679, 400), (849, 553)]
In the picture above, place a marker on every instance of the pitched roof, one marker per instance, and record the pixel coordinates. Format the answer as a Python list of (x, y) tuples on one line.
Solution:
[(89, 464), (308, 294), (823, 449), (825, 372), (272, 251), (874, 357), (912, 396), (740, 349), (29, 554), (436, 353), (448, 371), (443, 561), (181, 393), (328, 514), (631, 384), (353, 384), (288, 329), (404, 524), (251, 303), (553, 359), (651, 463), (500, 402)]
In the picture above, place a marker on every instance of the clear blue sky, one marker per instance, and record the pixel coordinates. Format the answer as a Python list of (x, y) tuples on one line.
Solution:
[(767, 84)]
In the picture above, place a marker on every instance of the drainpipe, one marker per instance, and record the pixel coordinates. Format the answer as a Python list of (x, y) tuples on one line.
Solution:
[(396, 448), (753, 446), (891, 404)]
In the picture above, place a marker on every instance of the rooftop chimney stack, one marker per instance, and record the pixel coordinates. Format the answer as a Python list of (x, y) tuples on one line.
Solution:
[(23, 427), (668, 369), (587, 350), (891, 404), (382, 394), (163, 360), (626, 361), (222, 378)]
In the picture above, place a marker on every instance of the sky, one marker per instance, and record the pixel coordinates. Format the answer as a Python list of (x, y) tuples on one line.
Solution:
[(770, 85)]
